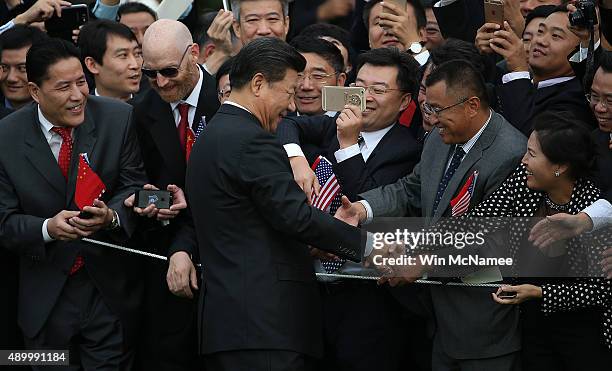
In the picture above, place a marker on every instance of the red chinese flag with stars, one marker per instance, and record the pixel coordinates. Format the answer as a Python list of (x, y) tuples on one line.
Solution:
[(89, 186)]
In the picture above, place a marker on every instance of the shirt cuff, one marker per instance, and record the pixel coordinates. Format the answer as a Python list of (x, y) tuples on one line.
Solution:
[(346, 153), (515, 76), (442, 3), (600, 213), (45, 233), (293, 150), (7, 26), (369, 212), (102, 11)]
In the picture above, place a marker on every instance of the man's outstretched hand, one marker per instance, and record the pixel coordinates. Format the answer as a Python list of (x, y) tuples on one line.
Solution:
[(351, 213)]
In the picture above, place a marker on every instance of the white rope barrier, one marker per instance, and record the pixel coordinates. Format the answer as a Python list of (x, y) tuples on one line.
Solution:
[(326, 275)]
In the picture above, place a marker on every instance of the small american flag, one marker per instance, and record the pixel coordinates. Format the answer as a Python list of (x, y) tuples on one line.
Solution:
[(329, 196), (461, 203)]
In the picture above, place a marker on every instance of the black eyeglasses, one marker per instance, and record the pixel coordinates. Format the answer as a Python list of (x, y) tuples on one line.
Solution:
[(168, 72)]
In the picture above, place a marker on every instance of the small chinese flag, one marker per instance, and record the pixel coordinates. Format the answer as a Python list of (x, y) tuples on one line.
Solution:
[(89, 186)]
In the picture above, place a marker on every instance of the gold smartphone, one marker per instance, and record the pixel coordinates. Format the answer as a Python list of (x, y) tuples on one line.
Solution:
[(494, 11), (336, 97), (399, 3)]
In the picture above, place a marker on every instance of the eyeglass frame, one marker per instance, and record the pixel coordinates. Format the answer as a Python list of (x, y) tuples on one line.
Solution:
[(152, 74), (603, 102), (322, 81), (369, 88), (437, 111), (221, 93)]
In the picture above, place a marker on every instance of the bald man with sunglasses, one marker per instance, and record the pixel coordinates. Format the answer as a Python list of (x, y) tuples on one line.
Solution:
[(168, 119)]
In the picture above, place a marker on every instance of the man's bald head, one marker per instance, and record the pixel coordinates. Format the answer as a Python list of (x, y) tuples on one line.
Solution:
[(165, 35), (168, 44)]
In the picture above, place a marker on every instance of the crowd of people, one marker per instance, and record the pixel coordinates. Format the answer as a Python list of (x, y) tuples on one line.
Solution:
[(464, 119)]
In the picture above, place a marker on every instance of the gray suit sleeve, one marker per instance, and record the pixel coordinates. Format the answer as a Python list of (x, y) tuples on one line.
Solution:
[(397, 199)]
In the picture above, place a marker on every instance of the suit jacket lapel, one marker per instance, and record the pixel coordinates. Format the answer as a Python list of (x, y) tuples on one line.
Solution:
[(39, 153), (164, 134), (473, 156), (84, 141)]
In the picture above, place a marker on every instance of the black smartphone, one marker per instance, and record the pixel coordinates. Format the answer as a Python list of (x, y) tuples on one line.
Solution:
[(161, 199), (506, 295), (72, 18)]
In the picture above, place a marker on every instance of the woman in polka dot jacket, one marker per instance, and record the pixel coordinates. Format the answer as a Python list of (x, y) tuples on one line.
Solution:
[(563, 326)]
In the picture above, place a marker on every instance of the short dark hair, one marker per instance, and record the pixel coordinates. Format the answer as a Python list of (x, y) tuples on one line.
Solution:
[(21, 36), (565, 140), (407, 67), (267, 55), (225, 69), (419, 13), (453, 49), (94, 36), (319, 30), (460, 75), (541, 11), (322, 48), (201, 37), (43, 55), (605, 61), (134, 7)]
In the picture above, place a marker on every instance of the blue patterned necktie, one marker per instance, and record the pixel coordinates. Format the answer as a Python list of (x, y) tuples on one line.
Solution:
[(448, 175)]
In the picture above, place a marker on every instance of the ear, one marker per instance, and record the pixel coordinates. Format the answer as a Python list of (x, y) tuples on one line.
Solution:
[(195, 51), (92, 65), (406, 99), (208, 51), (34, 91), (236, 27), (287, 21), (257, 84), (341, 79), (563, 169), (473, 106)]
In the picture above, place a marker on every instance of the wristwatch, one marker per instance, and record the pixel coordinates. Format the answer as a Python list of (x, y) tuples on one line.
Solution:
[(415, 48), (114, 224)]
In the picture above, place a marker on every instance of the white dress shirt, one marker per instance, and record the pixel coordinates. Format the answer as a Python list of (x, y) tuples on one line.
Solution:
[(192, 101), (55, 142), (371, 140)]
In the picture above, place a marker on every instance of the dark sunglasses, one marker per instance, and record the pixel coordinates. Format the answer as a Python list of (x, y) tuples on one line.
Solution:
[(168, 72)]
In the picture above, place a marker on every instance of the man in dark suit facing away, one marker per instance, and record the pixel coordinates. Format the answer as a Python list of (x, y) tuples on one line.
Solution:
[(260, 306), (72, 295), (168, 119)]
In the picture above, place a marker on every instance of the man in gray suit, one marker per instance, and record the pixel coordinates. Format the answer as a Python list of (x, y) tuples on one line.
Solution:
[(472, 332)]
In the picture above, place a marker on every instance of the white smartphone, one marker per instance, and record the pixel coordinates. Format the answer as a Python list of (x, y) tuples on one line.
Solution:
[(172, 9)]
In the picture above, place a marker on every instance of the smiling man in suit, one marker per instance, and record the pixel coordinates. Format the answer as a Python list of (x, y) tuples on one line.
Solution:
[(470, 137), (72, 295), (169, 118), (260, 308), (367, 150)]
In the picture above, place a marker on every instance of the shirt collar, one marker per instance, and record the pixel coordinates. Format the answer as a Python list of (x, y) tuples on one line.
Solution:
[(46, 124), (8, 104), (470, 143), (98, 94), (422, 57), (555, 81), (371, 138), (192, 99), (237, 105)]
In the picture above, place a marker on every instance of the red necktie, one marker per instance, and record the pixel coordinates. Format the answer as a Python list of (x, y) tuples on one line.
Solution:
[(63, 160), (186, 134)]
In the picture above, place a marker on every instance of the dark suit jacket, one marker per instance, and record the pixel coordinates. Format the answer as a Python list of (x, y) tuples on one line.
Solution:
[(249, 214), (520, 102), (459, 311), (603, 175), (32, 189), (394, 156)]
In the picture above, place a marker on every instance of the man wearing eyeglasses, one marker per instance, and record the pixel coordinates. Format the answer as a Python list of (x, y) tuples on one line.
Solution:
[(168, 120), (367, 150), (471, 333), (324, 67)]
